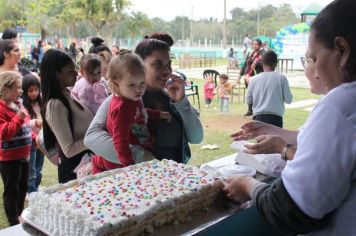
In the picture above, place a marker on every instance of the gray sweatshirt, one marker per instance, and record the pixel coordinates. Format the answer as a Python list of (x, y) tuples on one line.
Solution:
[(268, 91)]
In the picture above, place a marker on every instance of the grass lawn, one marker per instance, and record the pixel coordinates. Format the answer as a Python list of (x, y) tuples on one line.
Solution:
[(217, 129)]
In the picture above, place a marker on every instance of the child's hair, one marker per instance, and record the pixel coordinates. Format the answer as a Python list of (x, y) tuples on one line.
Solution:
[(89, 62), (7, 80), (105, 56), (28, 81), (269, 58), (223, 76), (126, 62)]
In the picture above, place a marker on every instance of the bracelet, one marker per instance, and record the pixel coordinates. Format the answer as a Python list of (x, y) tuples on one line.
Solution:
[(284, 152)]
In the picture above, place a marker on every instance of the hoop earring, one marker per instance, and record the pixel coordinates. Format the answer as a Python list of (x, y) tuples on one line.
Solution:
[(341, 67)]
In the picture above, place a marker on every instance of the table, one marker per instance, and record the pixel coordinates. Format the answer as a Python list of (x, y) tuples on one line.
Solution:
[(282, 61), (244, 222)]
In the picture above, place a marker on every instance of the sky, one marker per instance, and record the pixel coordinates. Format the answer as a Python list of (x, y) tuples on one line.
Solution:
[(169, 9)]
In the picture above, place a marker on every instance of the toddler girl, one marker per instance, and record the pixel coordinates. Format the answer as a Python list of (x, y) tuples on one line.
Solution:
[(127, 118), (16, 140), (224, 90), (32, 102), (91, 89), (209, 88)]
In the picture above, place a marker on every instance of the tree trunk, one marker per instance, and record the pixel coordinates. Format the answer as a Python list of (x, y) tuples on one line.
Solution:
[(43, 33)]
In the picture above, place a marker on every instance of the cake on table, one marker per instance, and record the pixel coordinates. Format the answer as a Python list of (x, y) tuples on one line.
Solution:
[(127, 201)]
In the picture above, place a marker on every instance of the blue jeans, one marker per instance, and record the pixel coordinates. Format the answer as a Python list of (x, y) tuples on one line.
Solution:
[(224, 105), (36, 164)]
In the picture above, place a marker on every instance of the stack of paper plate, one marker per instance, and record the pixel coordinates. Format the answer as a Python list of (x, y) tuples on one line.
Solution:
[(233, 170)]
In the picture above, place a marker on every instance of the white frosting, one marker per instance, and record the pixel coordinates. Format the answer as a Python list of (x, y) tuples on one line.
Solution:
[(123, 200)]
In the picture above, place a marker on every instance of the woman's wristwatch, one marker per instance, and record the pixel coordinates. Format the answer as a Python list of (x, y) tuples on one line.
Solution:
[(284, 151)]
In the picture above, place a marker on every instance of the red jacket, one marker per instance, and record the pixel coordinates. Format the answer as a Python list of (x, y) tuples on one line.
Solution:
[(126, 124), (15, 134)]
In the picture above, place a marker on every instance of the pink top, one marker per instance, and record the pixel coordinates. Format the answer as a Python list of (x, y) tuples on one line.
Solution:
[(90, 95), (209, 90)]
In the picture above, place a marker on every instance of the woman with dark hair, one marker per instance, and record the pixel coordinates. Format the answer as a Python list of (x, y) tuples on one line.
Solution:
[(316, 194), (171, 138), (252, 66), (10, 56), (65, 120)]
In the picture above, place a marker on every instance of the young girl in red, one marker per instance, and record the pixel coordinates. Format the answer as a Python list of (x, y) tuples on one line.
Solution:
[(15, 146), (209, 88)]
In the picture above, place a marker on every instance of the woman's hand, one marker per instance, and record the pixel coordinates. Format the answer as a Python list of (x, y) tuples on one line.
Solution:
[(175, 88), (238, 188), (266, 144), (252, 129)]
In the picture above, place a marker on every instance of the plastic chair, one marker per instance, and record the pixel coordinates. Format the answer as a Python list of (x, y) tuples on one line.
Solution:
[(191, 89), (239, 89), (212, 73)]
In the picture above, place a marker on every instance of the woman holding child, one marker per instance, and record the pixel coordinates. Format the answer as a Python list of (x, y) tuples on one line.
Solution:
[(171, 138)]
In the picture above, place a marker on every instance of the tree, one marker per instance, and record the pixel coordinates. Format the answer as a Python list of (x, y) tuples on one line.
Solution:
[(37, 16), (159, 25), (138, 22), (103, 12), (10, 14)]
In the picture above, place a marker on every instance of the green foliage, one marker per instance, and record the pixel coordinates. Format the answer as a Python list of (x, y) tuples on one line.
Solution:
[(114, 18), (10, 14), (271, 18)]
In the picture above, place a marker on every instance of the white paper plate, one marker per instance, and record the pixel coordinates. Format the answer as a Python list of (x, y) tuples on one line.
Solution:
[(233, 170)]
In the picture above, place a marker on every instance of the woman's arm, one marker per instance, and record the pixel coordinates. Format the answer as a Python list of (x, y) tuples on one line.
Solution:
[(274, 203), (192, 125), (270, 144), (97, 137), (191, 122), (57, 119)]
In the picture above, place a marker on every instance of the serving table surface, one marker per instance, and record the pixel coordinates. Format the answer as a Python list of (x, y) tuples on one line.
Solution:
[(225, 218)]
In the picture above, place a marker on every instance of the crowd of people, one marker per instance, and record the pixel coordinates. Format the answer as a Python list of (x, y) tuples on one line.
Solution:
[(127, 107), (120, 104)]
